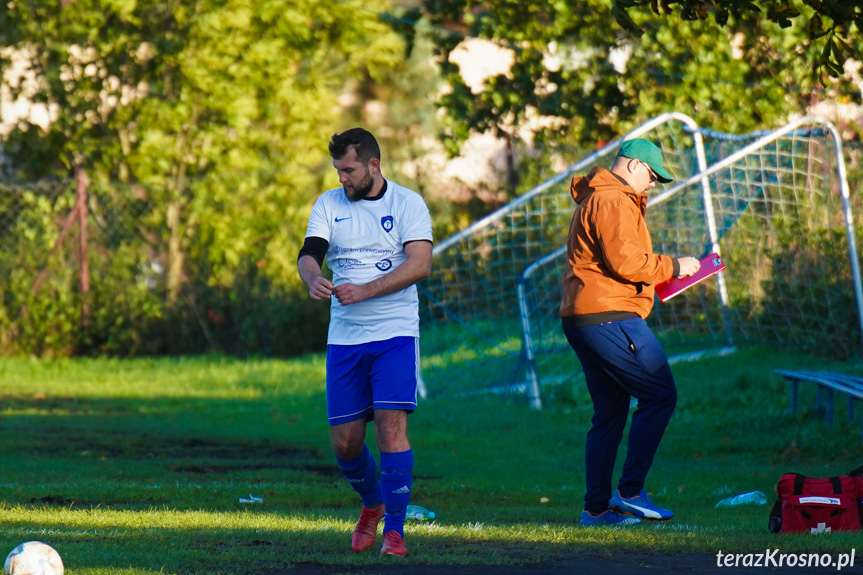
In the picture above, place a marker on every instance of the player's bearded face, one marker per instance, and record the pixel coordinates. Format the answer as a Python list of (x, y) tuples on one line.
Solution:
[(357, 190), (354, 176)]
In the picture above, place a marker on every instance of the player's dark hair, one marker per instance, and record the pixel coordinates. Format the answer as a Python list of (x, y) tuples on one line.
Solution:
[(362, 141)]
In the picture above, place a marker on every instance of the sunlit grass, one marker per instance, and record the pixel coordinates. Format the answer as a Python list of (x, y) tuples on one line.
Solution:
[(133, 467)]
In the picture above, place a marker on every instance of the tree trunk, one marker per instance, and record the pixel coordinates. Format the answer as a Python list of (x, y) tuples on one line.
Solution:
[(82, 181), (511, 171), (175, 252)]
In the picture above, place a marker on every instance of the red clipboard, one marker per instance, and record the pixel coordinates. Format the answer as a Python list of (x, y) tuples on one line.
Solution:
[(710, 266)]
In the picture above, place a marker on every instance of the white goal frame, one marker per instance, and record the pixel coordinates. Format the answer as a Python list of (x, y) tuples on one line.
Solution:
[(533, 377), (476, 323)]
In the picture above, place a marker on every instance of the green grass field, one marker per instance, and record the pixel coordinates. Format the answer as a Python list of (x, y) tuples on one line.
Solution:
[(138, 466)]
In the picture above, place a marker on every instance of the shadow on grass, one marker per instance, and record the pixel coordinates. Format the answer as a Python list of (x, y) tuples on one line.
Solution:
[(155, 480), (83, 451)]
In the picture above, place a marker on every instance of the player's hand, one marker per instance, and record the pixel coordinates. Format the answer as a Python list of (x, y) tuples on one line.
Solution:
[(321, 288), (346, 294), (688, 266)]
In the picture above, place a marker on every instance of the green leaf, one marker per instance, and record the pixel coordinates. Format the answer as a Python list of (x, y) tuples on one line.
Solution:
[(849, 50), (622, 17), (834, 69)]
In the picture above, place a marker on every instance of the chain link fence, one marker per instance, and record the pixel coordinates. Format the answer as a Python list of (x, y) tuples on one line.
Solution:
[(87, 270), (96, 281)]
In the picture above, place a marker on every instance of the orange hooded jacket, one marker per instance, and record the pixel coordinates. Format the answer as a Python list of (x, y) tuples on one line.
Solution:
[(611, 266)]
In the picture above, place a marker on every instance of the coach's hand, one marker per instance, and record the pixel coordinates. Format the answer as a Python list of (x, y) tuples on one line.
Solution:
[(688, 266)]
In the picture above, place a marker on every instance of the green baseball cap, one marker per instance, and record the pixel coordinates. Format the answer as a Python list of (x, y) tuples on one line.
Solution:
[(647, 152)]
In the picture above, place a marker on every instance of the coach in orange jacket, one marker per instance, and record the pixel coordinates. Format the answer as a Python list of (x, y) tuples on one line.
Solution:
[(607, 294)]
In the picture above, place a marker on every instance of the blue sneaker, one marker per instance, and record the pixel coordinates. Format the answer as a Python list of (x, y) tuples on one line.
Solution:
[(607, 517), (640, 506)]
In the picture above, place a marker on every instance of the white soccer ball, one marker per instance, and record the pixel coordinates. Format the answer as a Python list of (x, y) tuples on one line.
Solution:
[(33, 558)]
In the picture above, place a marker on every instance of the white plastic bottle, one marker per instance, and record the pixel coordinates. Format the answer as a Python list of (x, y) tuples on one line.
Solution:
[(751, 498), (418, 513)]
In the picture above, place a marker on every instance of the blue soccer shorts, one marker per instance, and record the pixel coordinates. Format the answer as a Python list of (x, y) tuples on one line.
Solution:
[(369, 376)]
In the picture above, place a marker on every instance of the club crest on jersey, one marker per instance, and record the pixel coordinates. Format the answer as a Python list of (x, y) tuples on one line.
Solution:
[(387, 223), (384, 265)]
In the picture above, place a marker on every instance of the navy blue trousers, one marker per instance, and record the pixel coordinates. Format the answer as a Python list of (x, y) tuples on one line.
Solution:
[(621, 360)]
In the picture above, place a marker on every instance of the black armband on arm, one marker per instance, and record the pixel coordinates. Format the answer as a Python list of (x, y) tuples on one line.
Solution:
[(315, 247), (412, 241)]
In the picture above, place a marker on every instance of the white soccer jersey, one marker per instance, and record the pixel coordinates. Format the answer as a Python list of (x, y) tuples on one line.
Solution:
[(367, 240)]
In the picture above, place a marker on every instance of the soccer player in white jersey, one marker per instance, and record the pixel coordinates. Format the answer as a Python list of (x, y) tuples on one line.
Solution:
[(377, 239)]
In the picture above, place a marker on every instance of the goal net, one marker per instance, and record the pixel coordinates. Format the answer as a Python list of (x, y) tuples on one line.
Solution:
[(775, 205), (469, 309)]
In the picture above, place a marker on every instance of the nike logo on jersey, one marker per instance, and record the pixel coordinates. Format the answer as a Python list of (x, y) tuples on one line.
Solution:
[(343, 219)]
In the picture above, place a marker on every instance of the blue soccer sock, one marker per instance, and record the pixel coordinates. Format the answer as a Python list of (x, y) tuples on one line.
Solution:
[(396, 479), (362, 474)]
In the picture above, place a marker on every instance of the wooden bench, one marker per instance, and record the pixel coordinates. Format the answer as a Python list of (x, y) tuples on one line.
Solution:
[(826, 382)]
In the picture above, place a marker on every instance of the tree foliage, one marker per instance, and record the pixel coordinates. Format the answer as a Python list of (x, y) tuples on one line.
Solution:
[(574, 65), (835, 23), (203, 129)]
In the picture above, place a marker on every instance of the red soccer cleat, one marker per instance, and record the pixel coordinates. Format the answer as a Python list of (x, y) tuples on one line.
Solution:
[(367, 528), (394, 544)]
